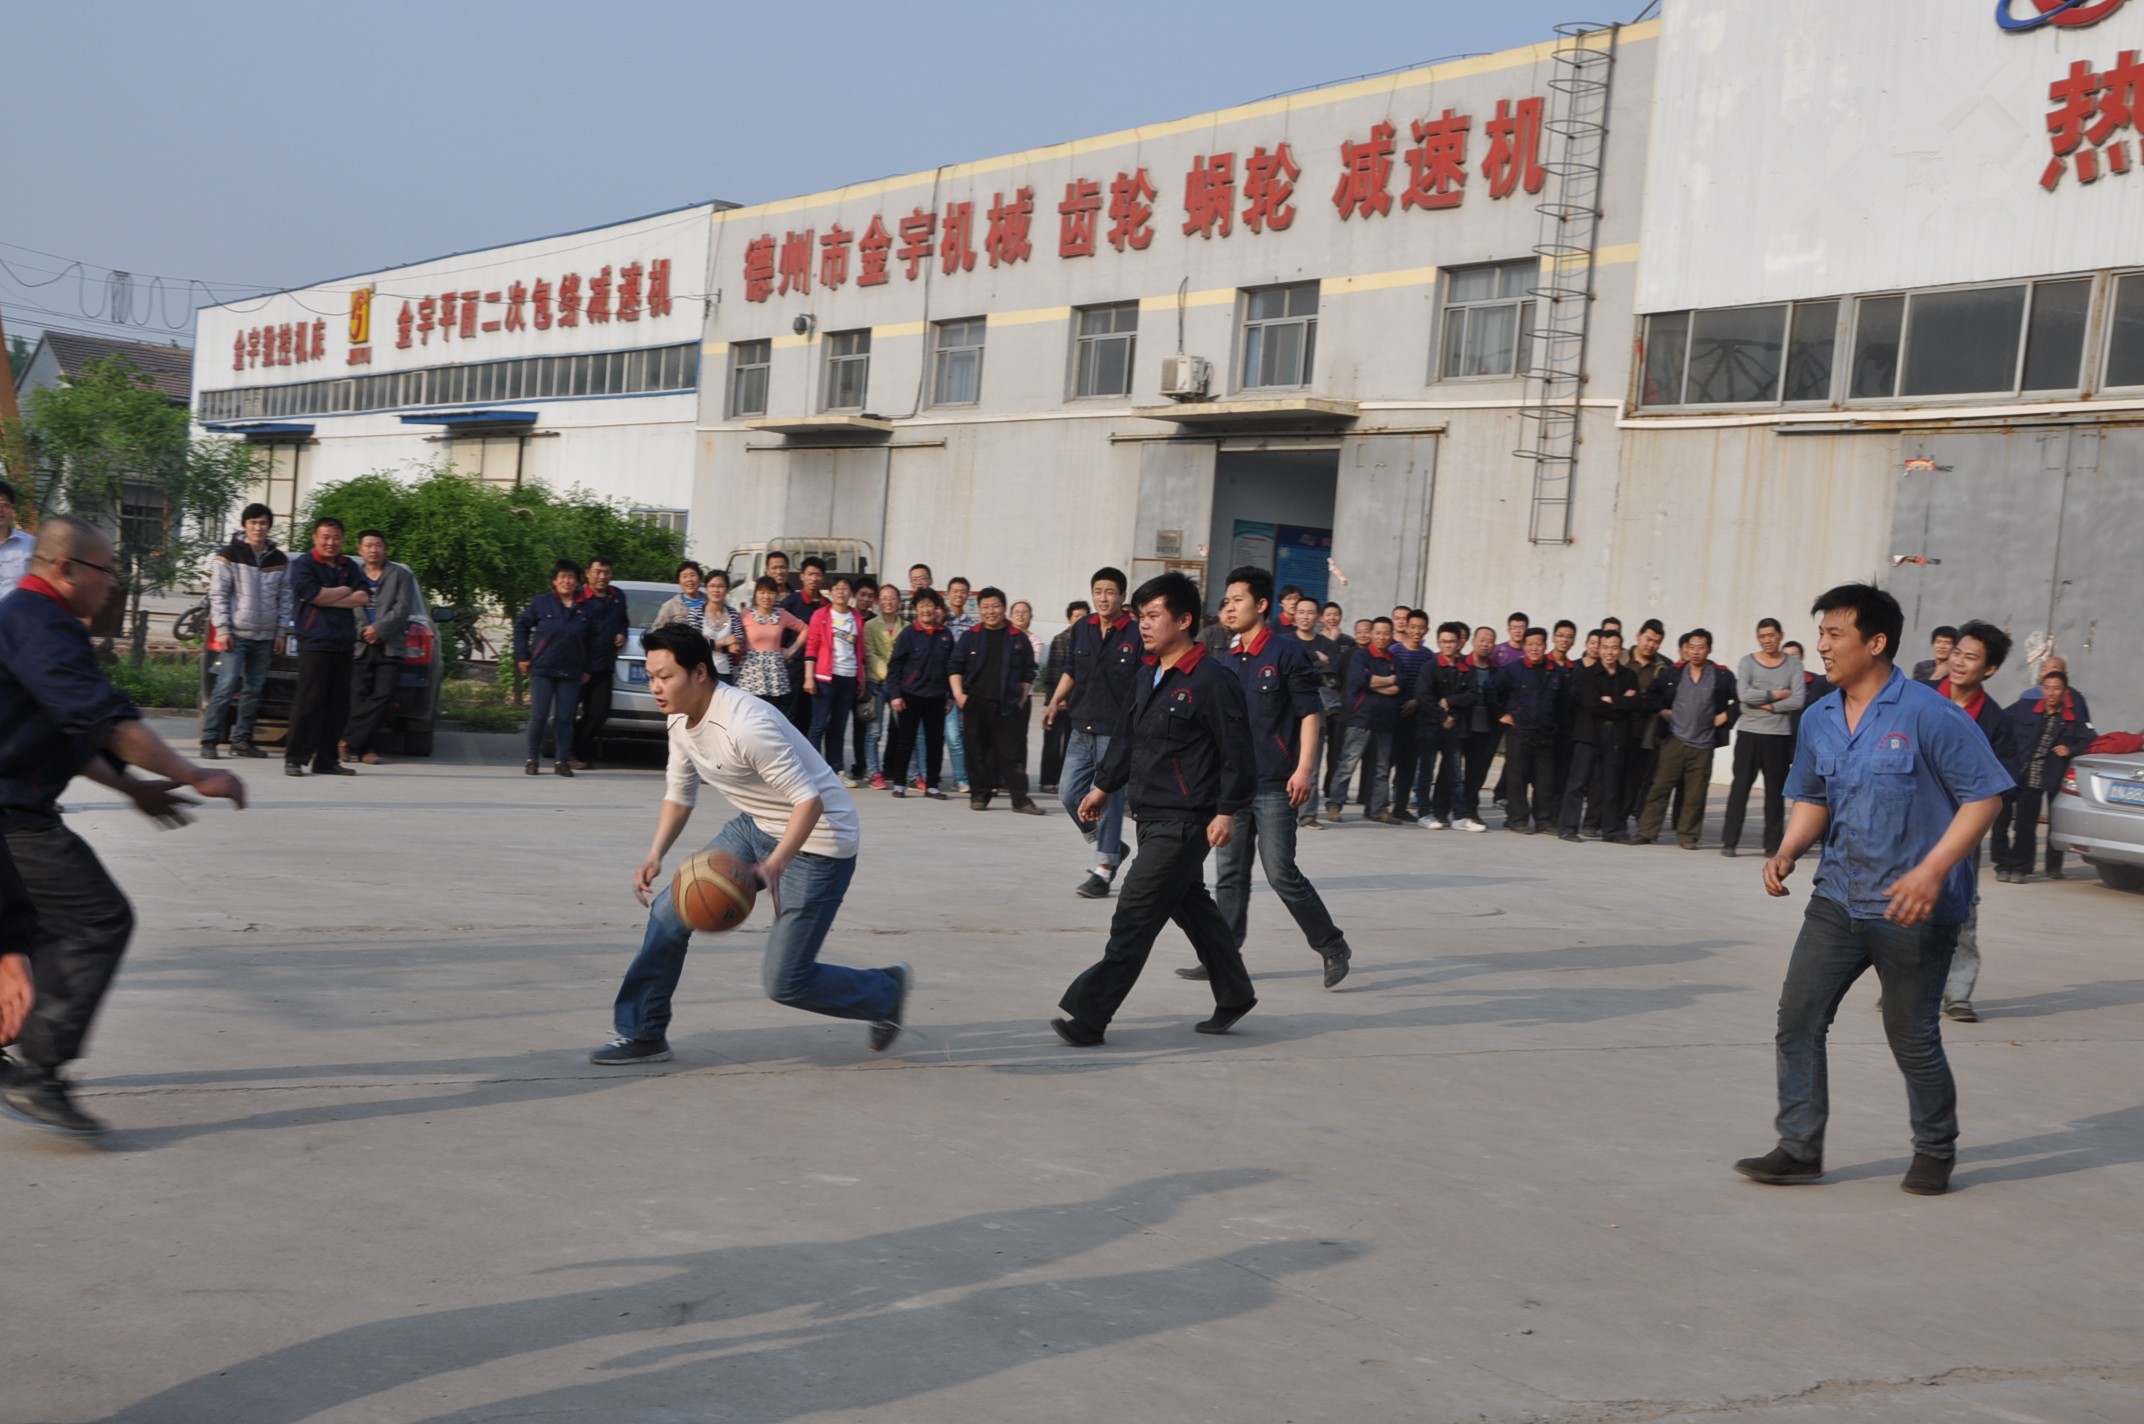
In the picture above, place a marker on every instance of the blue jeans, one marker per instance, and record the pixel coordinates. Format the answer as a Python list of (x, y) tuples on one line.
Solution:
[(873, 732), (812, 891), (1911, 964), (1368, 747), (1083, 758), (954, 746), (1267, 830), (245, 660), (551, 700), (832, 709)]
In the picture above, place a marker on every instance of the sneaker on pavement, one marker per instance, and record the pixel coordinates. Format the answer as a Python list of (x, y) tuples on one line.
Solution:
[(246, 749), (1026, 808), (1094, 887), (898, 790), (1928, 1176), (1779, 1167), (878, 781), (1077, 1034), (291, 768), (1336, 963), (1468, 823), (579, 765), (1224, 1019), (851, 782), (39, 1097), (1960, 1011), (621, 1051), (1194, 971), (209, 753), (934, 793), (885, 1031)]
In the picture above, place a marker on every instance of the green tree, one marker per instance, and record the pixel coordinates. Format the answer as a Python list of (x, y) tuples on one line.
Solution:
[(108, 446)]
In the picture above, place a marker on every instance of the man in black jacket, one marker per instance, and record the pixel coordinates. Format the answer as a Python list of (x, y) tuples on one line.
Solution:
[(1605, 704), (992, 673), (1445, 689), (609, 620), (1182, 748), (1530, 694)]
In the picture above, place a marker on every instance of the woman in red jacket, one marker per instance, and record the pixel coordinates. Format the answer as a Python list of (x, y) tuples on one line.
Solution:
[(834, 672)]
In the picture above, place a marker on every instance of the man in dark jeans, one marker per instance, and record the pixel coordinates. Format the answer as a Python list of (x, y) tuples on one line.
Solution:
[(382, 643), (1605, 707), (60, 718), (992, 675), (1900, 789), (1280, 693), (1182, 747), (327, 591), (1529, 693), (607, 624)]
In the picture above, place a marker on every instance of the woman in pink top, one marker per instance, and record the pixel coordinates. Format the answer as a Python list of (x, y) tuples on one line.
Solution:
[(764, 671), (834, 673)]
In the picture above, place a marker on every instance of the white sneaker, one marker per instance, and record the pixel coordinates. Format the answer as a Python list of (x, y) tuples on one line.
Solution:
[(1468, 823), (1431, 823), (849, 781)]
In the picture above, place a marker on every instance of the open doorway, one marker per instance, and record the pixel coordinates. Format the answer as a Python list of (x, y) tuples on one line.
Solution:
[(1274, 509)]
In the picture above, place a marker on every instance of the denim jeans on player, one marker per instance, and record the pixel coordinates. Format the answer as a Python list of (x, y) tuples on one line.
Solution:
[(245, 664), (1083, 758), (956, 748), (812, 890), (551, 701), (1911, 964), (1267, 830)]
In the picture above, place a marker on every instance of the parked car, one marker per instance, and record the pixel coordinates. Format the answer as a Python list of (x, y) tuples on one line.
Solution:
[(2099, 814), (412, 714), (632, 707), (854, 557)]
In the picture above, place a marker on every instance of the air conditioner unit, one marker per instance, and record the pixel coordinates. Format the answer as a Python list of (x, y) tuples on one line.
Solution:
[(1186, 378)]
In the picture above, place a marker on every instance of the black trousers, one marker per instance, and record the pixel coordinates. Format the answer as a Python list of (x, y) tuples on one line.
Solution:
[(1527, 769), (1594, 789), (927, 713), (2017, 833), (591, 711), (83, 925), (995, 734), (1055, 738), (373, 675), (1406, 756), (319, 708), (1759, 752), (1639, 764), (1480, 756), (1167, 882)]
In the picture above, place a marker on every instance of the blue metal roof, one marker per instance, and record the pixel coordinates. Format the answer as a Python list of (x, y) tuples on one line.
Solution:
[(260, 429), (471, 417)]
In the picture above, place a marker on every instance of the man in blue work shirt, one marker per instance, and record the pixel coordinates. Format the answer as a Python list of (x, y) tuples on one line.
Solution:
[(1901, 786), (1280, 693)]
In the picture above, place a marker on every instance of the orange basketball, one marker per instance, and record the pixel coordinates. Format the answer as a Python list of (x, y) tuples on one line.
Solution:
[(714, 890)]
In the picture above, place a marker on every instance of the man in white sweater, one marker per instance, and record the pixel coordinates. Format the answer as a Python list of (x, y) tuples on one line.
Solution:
[(796, 825)]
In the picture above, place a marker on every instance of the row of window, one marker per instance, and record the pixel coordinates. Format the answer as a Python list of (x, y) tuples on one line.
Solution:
[(2005, 339), (644, 371), (1488, 325)]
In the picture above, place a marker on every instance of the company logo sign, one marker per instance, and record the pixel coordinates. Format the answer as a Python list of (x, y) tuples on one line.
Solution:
[(2019, 17)]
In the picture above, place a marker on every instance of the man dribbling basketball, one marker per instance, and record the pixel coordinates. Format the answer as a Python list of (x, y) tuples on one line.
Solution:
[(797, 826)]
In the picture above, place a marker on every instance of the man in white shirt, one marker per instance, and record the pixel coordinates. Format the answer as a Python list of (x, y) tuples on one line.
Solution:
[(796, 826), (15, 544)]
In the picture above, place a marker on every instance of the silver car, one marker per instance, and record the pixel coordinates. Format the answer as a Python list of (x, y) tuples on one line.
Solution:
[(632, 707), (2099, 814)]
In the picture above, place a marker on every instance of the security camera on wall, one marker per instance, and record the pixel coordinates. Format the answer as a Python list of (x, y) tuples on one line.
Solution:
[(802, 325)]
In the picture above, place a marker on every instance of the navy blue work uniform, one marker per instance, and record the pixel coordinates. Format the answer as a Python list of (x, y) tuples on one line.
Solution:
[(1891, 787), (326, 639)]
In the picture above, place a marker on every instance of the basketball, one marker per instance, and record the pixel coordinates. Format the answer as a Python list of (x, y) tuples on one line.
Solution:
[(714, 890)]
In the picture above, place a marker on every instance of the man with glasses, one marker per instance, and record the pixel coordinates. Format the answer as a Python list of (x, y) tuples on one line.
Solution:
[(61, 718)]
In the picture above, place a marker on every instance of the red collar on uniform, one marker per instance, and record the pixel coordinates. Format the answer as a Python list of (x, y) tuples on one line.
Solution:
[(1450, 662), (37, 585), (1373, 651), (1185, 663), (926, 632), (1256, 643), (1972, 709), (1115, 627)]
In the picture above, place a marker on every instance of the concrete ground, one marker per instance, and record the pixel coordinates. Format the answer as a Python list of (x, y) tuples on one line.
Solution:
[(361, 1169)]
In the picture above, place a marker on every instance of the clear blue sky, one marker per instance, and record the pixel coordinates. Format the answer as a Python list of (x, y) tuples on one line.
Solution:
[(264, 145)]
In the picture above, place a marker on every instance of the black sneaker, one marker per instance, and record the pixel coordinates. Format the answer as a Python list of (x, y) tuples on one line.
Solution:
[(934, 793), (1026, 808), (1779, 1167), (1194, 971), (334, 769), (1094, 887), (246, 749), (209, 752), (39, 1097), (1077, 1034), (897, 790), (621, 1051), (291, 768), (885, 1031), (1224, 1019), (1960, 1011), (1729, 851), (1336, 963), (530, 768), (1572, 836), (1928, 1176)]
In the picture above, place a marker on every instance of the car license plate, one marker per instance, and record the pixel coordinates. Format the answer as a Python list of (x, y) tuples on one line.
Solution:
[(636, 674), (2127, 793)]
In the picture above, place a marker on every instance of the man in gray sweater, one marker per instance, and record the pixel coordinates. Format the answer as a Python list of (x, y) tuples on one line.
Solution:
[(248, 611), (382, 642), (1769, 683)]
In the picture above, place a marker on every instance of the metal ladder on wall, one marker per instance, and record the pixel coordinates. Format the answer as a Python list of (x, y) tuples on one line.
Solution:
[(1577, 129)]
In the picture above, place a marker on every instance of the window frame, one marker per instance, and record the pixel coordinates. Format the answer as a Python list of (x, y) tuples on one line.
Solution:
[(1448, 310), (2101, 344), (1085, 345), (940, 351), (836, 365), (734, 407), (1247, 325)]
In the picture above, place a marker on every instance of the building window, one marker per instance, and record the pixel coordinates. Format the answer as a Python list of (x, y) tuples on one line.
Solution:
[(1972, 341), (1488, 320), (673, 520), (1809, 347), (1102, 349), (644, 371), (957, 362), (751, 362), (848, 369), (1280, 335), (2125, 336)]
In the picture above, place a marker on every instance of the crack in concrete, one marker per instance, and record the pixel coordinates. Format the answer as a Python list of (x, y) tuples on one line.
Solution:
[(1652, 1411)]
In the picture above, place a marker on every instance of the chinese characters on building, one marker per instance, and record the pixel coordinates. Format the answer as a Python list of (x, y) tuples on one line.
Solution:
[(620, 293), (2093, 115), (1220, 191)]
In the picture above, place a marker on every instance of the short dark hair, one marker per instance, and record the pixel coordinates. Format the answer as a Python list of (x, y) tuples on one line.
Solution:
[(1563, 623), (1532, 633), (990, 591), (689, 564), (1414, 613), (565, 566), (1078, 606), (1286, 589), (1943, 630), (925, 567), (1455, 626), (1876, 614), (959, 580), (1705, 633), (1611, 621), (768, 582), (593, 559), (1175, 590), (681, 641), (1615, 633), (1107, 574), (1519, 618), (1256, 579), (2056, 672), (1593, 633), (1790, 643), (812, 561), (327, 521), (710, 575), (364, 534), (1384, 618), (1653, 625), (930, 596), (255, 510), (773, 554), (1993, 641), (1334, 607), (7, 492), (1771, 623), (838, 579)]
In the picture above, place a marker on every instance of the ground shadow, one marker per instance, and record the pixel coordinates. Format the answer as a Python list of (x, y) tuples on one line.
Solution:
[(2109, 1139), (768, 1332), (2071, 998)]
